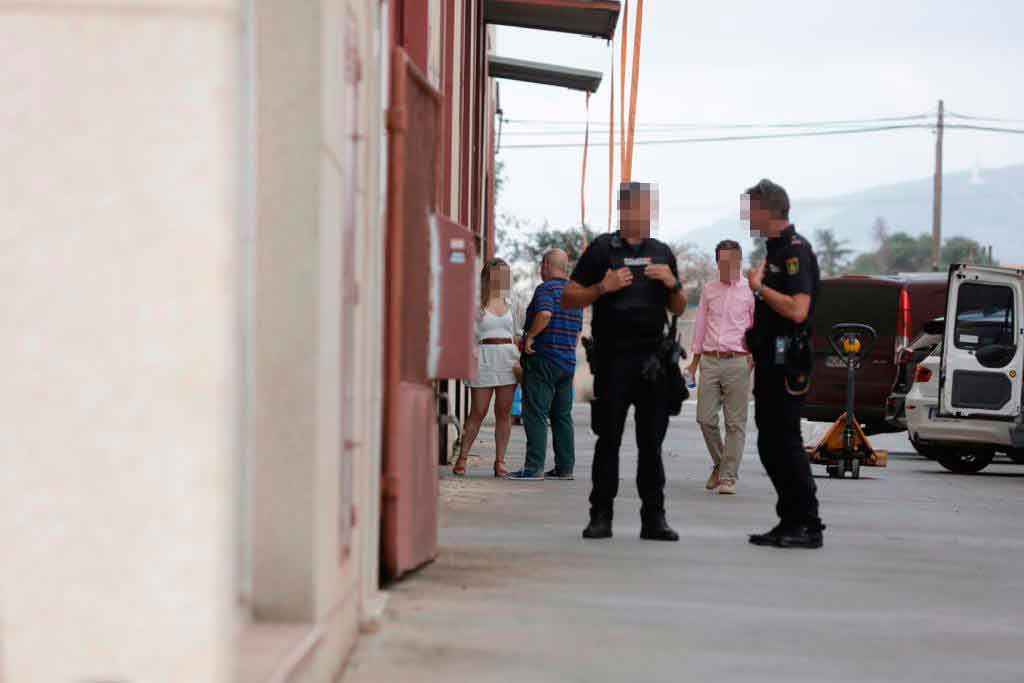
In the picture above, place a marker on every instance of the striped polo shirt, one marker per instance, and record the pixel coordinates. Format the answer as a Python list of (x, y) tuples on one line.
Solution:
[(557, 342)]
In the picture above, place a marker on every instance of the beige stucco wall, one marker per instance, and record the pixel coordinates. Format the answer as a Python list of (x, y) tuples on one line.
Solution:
[(119, 214), (173, 194), (316, 397)]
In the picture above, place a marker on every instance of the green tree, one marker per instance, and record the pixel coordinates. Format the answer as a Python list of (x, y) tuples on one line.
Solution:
[(831, 251), (521, 244), (907, 254), (865, 264), (965, 250)]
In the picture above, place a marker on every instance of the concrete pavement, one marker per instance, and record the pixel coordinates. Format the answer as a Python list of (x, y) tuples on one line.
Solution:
[(920, 580)]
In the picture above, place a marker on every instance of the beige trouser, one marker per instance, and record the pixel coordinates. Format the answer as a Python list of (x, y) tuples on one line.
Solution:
[(724, 384)]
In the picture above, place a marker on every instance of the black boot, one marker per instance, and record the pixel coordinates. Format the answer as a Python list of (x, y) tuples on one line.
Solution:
[(654, 528), (770, 538), (600, 525), (801, 537)]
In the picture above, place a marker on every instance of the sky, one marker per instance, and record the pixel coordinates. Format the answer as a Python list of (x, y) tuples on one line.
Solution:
[(736, 61)]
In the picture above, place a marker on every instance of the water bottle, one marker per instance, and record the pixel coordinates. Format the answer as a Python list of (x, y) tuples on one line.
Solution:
[(691, 381)]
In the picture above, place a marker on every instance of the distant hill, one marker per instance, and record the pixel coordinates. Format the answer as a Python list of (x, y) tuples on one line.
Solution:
[(985, 205)]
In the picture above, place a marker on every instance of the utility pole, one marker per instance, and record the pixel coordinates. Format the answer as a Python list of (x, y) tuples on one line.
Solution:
[(937, 195)]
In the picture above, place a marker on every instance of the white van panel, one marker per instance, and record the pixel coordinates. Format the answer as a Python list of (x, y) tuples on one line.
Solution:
[(984, 310)]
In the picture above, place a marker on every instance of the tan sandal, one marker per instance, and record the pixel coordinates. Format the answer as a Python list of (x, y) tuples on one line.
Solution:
[(499, 469), (461, 464)]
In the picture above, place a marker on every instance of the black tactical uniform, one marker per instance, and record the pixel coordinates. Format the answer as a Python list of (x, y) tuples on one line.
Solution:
[(628, 327), (782, 375)]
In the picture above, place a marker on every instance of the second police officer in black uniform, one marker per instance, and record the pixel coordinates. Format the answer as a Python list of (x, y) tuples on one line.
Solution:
[(786, 286), (631, 279)]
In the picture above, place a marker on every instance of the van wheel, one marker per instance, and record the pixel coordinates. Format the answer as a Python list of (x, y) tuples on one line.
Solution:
[(1016, 455), (963, 461), (930, 452)]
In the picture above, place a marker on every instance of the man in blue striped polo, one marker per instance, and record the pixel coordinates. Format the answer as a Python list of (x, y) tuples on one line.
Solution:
[(549, 363)]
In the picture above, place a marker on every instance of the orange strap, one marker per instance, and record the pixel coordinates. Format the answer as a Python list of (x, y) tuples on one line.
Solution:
[(623, 33), (627, 170), (611, 143), (583, 176)]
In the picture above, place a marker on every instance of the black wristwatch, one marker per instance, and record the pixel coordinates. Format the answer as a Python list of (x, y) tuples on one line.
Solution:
[(677, 287)]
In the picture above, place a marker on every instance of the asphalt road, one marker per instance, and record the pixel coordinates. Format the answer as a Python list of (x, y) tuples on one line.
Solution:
[(921, 579)]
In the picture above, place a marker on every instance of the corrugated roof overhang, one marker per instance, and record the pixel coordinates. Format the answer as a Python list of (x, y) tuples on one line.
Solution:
[(585, 17), (545, 74)]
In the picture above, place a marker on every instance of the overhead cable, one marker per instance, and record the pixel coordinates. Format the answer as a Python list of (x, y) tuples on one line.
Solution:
[(714, 126), (729, 138)]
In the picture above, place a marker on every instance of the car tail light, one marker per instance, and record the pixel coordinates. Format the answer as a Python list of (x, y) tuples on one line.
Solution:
[(903, 320), (923, 375)]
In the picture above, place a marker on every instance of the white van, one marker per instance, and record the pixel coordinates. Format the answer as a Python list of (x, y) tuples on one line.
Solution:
[(971, 408)]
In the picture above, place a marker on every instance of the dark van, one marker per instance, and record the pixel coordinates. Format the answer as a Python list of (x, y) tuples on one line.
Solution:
[(897, 306)]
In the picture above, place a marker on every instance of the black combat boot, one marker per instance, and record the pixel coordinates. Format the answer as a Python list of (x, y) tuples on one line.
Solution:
[(801, 537), (790, 537), (600, 525), (770, 538), (654, 527)]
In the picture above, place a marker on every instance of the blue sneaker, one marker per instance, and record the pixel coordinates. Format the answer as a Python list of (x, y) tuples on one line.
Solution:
[(556, 474), (525, 475)]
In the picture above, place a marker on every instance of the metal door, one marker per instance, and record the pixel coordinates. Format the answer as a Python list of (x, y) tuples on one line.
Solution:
[(409, 485), (981, 359)]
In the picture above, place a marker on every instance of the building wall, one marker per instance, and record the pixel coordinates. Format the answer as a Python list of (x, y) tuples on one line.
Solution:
[(317, 326), (194, 207), (121, 273)]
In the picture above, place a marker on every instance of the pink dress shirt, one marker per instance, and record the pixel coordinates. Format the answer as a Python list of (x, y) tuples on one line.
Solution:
[(725, 314)]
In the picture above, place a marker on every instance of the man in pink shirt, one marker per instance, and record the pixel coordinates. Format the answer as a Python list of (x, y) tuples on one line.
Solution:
[(719, 350)]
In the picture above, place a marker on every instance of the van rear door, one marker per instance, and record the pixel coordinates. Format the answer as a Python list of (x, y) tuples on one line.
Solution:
[(982, 360), (873, 302)]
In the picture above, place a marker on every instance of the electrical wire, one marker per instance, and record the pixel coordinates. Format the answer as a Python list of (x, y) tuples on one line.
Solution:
[(730, 138), (712, 126), (982, 118), (989, 129)]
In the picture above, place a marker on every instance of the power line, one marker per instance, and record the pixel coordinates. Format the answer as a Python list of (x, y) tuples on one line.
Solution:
[(646, 129), (989, 129), (727, 138), (713, 126), (983, 118), (772, 136)]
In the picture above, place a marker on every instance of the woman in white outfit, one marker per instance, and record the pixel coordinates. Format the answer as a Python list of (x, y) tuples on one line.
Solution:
[(498, 329)]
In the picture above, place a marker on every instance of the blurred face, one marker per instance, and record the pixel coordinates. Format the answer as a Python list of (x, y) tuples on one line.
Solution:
[(500, 281), (637, 214), (760, 218), (730, 265)]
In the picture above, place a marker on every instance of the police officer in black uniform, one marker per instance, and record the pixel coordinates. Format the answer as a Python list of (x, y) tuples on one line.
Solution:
[(631, 279), (786, 286)]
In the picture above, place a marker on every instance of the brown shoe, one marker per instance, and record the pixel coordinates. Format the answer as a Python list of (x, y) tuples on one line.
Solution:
[(727, 487), (713, 480)]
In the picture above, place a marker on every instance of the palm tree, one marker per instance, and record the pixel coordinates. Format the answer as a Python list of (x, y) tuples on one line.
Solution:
[(833, 251)]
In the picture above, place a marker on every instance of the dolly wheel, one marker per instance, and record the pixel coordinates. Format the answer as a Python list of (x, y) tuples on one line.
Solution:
[(855, 468), (834, 471)]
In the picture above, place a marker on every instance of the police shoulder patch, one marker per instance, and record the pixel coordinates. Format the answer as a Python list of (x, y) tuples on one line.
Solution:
[(793, 265)]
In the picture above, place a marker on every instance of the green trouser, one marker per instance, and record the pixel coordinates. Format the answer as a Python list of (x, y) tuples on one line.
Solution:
[(547, 392)]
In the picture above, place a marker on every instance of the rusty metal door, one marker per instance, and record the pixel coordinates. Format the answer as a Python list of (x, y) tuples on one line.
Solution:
[(410, 484)]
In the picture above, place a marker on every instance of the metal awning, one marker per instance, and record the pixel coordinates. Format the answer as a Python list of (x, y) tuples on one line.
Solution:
[(586, 17), (545, 74)]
